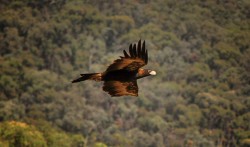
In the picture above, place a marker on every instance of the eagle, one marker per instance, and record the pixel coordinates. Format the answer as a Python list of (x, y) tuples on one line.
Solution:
[(120, 78)]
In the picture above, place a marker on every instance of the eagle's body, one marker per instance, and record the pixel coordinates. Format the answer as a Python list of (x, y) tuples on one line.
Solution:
[(120, 77)]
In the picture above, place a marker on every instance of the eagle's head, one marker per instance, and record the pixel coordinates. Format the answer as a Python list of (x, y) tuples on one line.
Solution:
[(145, 72)]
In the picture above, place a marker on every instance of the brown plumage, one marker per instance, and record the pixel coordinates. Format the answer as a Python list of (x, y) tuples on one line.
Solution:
[(120, 78)]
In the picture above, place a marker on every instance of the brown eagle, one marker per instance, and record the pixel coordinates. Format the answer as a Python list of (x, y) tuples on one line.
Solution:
[(120, 78)]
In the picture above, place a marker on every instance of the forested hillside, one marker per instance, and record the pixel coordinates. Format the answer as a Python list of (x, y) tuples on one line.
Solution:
[(199, 48)]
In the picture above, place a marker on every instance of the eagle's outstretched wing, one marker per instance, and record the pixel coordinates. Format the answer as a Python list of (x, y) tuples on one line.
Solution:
[(137, 57), (120, 88)]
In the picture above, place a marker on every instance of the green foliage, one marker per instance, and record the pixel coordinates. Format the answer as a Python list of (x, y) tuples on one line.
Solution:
[(20, 134), (99, 144), (200, 96), (15, 133)]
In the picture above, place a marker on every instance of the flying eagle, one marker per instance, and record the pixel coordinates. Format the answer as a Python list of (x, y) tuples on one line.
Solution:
[(120, 78)]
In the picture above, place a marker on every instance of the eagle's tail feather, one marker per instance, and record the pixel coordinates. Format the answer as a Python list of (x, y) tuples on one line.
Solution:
[(90, 76)]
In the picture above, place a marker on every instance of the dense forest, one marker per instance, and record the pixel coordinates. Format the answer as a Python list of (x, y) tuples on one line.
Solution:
[(199, 48)]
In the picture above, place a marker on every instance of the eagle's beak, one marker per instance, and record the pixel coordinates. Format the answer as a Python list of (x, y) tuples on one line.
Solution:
[(152, 72)]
